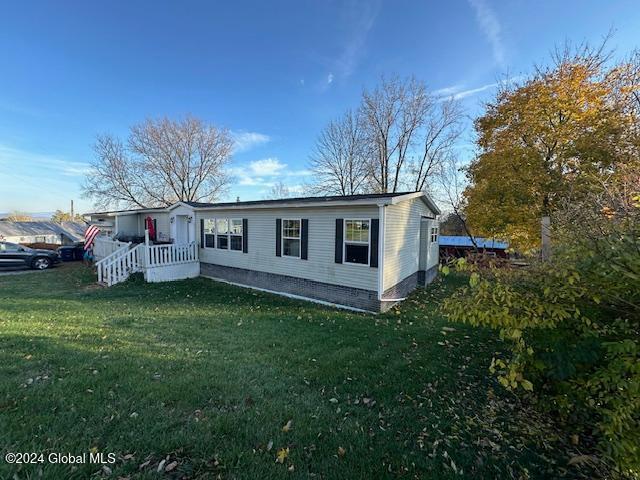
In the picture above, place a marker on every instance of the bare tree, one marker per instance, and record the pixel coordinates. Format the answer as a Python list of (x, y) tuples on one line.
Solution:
[(277, 191), (396, 140), (452, 182), (163, 161), (340, 163), (442, 129), (394, 111)]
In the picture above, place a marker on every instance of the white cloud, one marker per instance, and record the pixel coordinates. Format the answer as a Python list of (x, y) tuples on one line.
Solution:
[(265, 172), (37, 182), (12, 157), (266, 167), (360, 20), (472, 91), (330, 78), (491, 28), (447, 91), (458, 91), (247, 140)]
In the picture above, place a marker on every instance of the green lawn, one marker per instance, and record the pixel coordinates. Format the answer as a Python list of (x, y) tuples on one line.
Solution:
[(206, 375)]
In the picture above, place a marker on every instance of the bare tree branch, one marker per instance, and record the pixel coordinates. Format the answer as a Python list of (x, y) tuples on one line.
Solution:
[(163, 161)]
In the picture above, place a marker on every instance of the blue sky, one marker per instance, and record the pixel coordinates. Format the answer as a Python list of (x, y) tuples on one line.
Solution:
[(272, 72)]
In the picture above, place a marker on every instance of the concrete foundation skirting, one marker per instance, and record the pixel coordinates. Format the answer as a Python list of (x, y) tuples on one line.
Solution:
[(400, 290), (336, 294)]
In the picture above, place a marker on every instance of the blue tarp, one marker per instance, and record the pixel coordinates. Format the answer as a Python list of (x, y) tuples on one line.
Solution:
[(464, 241)]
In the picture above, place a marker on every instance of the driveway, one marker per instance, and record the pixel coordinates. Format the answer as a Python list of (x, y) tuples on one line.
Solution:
[(15, 270)]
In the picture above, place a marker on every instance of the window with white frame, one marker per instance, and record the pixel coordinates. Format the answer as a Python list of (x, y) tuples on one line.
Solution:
[(434, 234), (222, 233), (209, 233), (291, 230), (235, 234), (357, 241)]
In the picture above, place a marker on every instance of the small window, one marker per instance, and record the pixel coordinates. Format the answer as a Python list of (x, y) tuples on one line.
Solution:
[(40, 239), (222, 230), (235, 233), (209, 233), (356, 241), (291, 238), (434, 234)]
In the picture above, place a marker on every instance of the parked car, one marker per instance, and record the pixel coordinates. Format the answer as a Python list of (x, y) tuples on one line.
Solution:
[(14, 255)]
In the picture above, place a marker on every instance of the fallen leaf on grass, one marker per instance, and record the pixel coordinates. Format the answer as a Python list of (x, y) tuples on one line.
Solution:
[(341, 451), (287, 427), (171, 466), (283, 453)]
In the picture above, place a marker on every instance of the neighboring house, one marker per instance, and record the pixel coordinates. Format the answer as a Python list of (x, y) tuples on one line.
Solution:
[(460, 246), (131, 223), (361, 251), (41, 232)]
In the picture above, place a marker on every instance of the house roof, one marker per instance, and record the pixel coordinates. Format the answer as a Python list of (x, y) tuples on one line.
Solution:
[(464, 241), (26, 229), (364, 199), (305, 200), (75, 230), (133, 210)]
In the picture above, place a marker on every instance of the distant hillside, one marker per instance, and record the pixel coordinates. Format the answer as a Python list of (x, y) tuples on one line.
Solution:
[(37, 215)]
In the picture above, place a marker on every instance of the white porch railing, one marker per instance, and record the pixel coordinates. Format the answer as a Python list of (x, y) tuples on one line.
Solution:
[(103, 247), (164, 255), (120, 264), (117, 267)]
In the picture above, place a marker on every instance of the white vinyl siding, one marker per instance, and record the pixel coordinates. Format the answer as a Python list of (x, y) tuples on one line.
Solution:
[(127, 225), (402, 240), (320, 266), (163, 231)]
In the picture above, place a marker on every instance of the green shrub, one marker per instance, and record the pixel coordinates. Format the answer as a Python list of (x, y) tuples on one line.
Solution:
[(572, 334)]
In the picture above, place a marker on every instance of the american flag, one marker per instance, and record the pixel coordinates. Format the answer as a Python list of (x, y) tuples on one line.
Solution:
[(90, 235)]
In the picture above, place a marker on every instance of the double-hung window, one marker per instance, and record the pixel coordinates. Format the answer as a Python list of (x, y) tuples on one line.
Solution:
[(291, 238), (209, 233), (235, 234), (357, 241), (434, 234), (222, 230), (223, 233)]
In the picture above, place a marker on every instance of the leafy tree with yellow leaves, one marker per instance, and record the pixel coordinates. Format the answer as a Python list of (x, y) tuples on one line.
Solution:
[(547, 140)]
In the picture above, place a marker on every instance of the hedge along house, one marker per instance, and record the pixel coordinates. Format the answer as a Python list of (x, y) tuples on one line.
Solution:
[(362, 251)]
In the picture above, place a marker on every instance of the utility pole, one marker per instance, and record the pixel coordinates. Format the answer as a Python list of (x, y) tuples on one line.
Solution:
[(72, 216)]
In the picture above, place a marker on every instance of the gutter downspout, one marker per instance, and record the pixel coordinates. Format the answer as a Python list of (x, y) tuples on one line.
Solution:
[(381, 236)]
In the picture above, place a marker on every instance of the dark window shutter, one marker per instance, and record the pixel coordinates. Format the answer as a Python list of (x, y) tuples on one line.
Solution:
[(278, 237), (304, 239), (339, 228), (375, 235), (202, 233), (245, 234), (155, 229)]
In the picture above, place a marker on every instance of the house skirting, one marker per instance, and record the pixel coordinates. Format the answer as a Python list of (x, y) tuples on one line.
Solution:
[(400, 290), (358, 298), (326, 292)]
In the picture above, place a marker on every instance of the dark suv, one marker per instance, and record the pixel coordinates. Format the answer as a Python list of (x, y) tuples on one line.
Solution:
[(14, 255)]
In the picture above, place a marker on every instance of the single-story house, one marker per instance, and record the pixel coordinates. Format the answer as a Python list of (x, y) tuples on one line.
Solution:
[(460, 245), (42, 232), (360, 251), (131, 223)]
